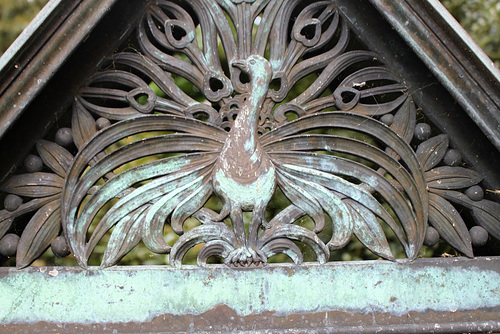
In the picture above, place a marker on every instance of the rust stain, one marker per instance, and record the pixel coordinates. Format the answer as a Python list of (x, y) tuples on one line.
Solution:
[(224, 319)]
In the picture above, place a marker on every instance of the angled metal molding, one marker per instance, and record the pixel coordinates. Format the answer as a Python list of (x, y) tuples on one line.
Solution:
[(37, 54), (451, 54)]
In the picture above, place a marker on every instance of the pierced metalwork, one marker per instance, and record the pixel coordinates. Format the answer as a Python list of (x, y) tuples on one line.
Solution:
[(151, 153)]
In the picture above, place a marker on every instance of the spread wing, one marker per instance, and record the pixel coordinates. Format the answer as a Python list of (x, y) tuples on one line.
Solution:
[(175, 184), (357, 183)]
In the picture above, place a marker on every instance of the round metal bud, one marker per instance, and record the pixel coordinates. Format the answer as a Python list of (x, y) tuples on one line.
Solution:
[(12, 202), (422, 131), (33, 163), (64, 137), (431, 236), (452, 158), (387, 119), (60, 247), (102, 123), (8, 244), (479, 236), (475, 193)]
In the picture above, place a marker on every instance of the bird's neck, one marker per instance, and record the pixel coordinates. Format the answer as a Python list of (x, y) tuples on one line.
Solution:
[(242, 156), (245, 129)]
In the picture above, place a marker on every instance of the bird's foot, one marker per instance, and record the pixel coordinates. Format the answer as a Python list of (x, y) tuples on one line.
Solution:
[(246, 257)]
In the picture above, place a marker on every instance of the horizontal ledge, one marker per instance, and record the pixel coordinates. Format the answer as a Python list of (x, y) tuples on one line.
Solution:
[(440, 294)]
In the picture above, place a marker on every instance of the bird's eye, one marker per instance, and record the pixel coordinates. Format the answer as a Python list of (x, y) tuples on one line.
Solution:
[(252, 62)]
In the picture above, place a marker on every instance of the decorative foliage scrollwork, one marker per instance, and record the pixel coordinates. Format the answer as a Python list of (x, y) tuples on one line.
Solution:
[(151, 153)]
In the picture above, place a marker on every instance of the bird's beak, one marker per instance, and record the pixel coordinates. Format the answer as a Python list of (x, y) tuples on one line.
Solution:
[(241, 64)]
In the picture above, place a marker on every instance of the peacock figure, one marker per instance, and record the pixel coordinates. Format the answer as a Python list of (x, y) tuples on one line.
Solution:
[(240, 144), (217, 111)]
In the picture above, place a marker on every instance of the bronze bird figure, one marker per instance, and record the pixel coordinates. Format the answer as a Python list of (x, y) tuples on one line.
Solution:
[(245, 147)]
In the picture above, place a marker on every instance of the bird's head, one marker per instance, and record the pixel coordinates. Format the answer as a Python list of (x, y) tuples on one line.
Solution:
[(257, 67)]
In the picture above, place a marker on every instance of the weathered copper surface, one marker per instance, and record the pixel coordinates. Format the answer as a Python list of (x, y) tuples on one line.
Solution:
[(149, 154), (443, 296)]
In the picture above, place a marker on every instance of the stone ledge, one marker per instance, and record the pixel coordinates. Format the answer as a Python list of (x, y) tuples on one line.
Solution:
[(442, 295)]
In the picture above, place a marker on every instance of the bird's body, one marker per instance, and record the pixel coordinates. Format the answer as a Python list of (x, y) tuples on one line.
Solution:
[(244, 176)]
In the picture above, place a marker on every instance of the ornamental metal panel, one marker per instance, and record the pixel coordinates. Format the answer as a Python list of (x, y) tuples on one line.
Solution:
[(245, 133)]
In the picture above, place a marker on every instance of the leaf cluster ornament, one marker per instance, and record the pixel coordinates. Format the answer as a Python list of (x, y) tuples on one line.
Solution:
[(445, 184), (45, 188)]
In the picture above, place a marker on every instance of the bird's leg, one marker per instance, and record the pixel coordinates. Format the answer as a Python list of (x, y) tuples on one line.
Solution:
[(240, 255), (246, 252), (258, 219), (238, 227)]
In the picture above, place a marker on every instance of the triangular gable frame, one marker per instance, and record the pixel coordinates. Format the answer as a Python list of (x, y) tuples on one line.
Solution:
[(43, 69)]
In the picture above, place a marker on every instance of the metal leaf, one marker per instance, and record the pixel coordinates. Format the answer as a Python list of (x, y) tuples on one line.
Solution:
[(432, 151), (5, 225), (41, 230), (39, 184), (82, 124), (405, 120), (448, 222), (452, 177), (192, 203), (332, 205), (487, 214), (126, 235), (24, 208), (369, 231), (302, 199), (55, 157)]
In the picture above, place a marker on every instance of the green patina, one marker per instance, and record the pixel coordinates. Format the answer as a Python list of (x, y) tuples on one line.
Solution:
[(141, 294), (245, 194)]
